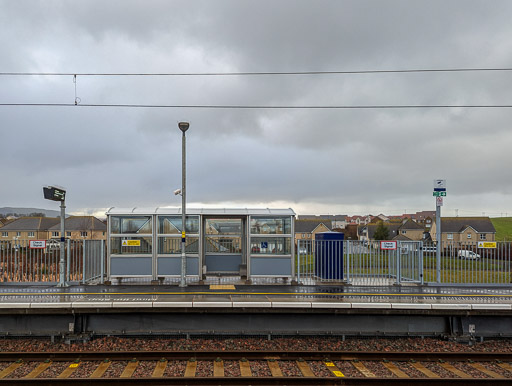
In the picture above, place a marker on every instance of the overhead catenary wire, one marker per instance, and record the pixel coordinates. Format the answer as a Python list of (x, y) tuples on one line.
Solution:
[(261, 107), (258, 73)]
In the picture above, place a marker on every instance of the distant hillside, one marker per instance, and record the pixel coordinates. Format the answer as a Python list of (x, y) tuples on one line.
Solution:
[(26, 211), (503, 227)]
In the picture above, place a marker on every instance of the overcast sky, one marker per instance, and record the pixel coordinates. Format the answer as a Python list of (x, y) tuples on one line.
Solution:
[(316, 161)]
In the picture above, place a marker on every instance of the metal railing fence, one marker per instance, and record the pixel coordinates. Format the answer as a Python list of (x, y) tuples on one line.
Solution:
[(85, 261), (365, 263)]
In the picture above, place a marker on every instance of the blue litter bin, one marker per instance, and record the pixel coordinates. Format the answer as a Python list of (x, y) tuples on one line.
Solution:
[(329, 255)]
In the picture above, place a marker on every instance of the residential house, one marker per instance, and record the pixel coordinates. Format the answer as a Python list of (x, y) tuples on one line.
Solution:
[(367, 232), (27, 228), (359, 220), (410, 230), (336, 221), (81, 227), (464, 229), (306, 229)]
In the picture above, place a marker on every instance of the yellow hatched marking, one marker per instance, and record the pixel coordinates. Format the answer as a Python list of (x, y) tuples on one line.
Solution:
[(100, 370), (218, 368), (5, 372), (424, 370), (38, 370), (275, 369), (190, 371), (129, 369), (505, 366), (222, 287), (363, 370), (159, 369), (485, 370), (454, 370), (305, 369), (395, 370), (68, 371), (245, 369), (332, 367)]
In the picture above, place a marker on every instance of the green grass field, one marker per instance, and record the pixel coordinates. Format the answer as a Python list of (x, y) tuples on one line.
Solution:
[(503, 227), (453, 269)]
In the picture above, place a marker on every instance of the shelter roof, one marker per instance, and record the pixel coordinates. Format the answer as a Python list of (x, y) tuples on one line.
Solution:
[(202, 211)]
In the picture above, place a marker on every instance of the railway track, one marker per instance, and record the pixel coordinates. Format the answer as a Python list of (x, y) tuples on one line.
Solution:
[(255, 367)]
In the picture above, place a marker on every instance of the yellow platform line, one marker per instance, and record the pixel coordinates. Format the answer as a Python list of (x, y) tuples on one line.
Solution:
[(222, 287)]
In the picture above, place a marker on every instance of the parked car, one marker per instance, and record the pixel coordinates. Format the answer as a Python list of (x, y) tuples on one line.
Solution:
[(465, 254)]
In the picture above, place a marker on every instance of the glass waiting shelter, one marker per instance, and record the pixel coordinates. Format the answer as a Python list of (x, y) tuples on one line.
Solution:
[(239, 242)]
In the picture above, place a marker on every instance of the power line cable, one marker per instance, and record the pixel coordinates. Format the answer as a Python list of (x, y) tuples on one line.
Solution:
[(261, 107), (256, 73)]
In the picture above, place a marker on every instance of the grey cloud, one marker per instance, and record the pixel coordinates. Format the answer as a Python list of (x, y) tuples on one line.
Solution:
[(357, 158)]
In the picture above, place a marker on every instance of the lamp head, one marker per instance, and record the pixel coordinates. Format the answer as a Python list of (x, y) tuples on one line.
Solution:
[(183, 126)]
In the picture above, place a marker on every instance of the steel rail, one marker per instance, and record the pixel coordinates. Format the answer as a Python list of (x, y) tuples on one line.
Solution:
[(215, 381), (255, 355)]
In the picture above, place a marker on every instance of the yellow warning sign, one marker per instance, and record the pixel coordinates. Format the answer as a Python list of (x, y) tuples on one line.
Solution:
[(73, 365), (329, 364), (182, 235), (487, 244), (338, 373), (131, 243)]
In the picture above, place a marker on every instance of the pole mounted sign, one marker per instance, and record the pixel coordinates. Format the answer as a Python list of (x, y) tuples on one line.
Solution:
[(58, 194), (54, 194)]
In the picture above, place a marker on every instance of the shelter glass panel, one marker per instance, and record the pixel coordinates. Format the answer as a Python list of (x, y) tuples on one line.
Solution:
[(223, 226), (271, 226), (172, 245), (130, 225), (131, 245), (171, 225), (270, 246), (223, 244)]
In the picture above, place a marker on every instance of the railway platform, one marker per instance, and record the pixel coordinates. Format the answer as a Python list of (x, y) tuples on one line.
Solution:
[(459, 312)]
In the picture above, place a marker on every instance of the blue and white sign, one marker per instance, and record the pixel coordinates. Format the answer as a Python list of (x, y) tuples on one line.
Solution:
[(264, 244), (439, 185)]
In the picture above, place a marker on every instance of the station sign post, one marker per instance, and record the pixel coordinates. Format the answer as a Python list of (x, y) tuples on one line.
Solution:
[(439, 193), (54, 193)]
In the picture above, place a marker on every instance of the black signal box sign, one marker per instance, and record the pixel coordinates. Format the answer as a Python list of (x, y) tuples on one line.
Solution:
[(54, 194)]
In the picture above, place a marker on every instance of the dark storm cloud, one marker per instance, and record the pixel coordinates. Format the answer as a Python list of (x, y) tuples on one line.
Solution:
[(316, 160)]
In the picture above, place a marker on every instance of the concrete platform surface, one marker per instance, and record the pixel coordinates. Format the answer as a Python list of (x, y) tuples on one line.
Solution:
[(293, 297)]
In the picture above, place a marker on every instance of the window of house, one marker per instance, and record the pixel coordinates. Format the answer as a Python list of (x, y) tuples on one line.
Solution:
[(55, 234), (483, 236), (449, 236), (303, 235), (309, 235), (469, 235), (30, 234), (18, 234), (68, 234), (5, 234), (404, 232), (83, 234)]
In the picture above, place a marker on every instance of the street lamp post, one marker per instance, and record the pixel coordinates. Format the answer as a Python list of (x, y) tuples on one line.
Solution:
[(183, 126)]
